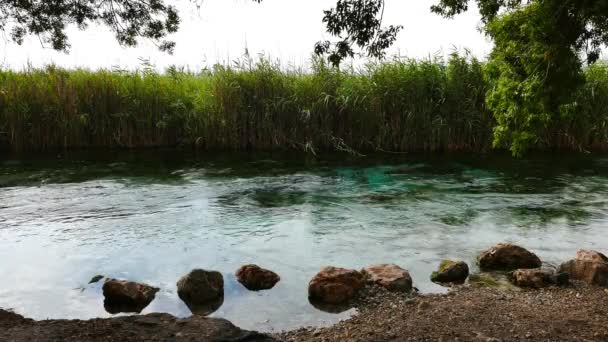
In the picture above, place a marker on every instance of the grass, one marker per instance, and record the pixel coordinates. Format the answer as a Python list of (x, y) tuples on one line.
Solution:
[(398, 106)]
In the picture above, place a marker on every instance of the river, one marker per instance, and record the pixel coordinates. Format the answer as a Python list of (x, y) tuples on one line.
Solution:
[(153, 215)]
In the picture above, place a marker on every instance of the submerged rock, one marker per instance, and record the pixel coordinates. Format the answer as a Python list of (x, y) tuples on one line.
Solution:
[(507, 257), (96, 279), (126, 296), (202, 291), (389, 276), (333, 285), (255, 278), (451, 272), (589, 266)]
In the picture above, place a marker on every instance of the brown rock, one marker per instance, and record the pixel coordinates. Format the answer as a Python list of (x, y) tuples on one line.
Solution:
[(126, 296), (335, 285), (451, 272), (535, 278), (590, 255), (150, 327), (589, 266), (255, 278), (390, 276), (202, 291), (507, 257)]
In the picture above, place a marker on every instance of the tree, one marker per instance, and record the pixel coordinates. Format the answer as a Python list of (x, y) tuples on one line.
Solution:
[(356, 23), (536, 65), (130, 20)]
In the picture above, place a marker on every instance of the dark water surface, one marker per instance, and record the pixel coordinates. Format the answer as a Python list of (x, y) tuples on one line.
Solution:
[(152, 216)]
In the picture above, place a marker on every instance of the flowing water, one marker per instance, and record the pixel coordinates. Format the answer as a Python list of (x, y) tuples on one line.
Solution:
[(153, 216)]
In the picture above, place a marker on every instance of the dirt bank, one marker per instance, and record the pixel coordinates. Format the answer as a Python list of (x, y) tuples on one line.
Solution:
[(577, 313)]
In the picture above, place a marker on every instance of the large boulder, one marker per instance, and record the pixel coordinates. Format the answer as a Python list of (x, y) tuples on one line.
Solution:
[(451, 272), (390, 276), (589, 266), (150, 327), (333, 285), (126, 296), (202, 291), (255, 278), (507, 257)]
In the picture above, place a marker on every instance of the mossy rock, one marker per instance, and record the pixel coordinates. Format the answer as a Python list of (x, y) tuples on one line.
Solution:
[(451, 272), (492, 280)]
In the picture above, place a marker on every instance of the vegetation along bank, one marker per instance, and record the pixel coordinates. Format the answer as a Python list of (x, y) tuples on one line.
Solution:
[(397, 106)]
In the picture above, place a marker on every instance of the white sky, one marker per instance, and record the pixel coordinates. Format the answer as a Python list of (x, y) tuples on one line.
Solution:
[(283, 29)]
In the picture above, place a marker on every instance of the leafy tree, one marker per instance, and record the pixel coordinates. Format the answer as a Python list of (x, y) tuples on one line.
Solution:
[(536, 65), (356, 23), (130, 20)]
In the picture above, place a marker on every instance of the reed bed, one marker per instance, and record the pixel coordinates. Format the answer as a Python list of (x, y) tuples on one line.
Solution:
[(397, 106)]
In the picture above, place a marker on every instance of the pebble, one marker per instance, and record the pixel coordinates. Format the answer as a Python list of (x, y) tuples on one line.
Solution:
[(410, 301), (423, 306)]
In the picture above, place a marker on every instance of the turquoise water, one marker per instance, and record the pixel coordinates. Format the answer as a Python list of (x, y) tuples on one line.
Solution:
[(153, 216)]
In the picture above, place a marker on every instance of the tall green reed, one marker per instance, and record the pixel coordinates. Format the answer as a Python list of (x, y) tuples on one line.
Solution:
[(396, 106)]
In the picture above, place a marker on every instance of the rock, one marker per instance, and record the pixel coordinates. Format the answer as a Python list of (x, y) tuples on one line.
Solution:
[(126, 296), (535, 278), (451, 272), (589, 266), (561, 279), (507, 257), (589, 255), (389, 276), (491, 280), (96, 279), (423, 306), (150, 327), (202, 291), (333, 285), (256, 278)]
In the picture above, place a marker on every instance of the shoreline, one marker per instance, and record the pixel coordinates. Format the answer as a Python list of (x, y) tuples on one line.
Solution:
[(466, 313)]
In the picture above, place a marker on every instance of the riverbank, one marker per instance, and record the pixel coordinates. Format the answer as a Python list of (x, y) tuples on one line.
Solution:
[(575, 313)]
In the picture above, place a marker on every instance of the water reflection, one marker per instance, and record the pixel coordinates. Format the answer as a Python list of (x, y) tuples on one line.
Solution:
[(152, 217), (332, 308), (207, 308)]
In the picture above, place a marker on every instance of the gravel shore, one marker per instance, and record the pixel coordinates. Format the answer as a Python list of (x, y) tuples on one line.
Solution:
[(576, 313)]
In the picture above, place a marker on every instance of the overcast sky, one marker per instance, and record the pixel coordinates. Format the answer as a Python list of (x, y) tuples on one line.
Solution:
[(285, 29)]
